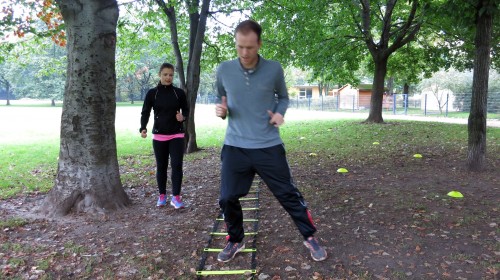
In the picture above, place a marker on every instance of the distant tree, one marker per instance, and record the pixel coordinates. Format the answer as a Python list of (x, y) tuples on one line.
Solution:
[(144, 79), (337, 36), (6, 86)]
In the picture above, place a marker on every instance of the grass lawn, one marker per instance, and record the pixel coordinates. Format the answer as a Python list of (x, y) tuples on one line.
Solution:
[(30, 143)]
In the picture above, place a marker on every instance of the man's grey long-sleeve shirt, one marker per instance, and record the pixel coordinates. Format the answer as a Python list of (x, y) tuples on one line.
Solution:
[(250, 94)]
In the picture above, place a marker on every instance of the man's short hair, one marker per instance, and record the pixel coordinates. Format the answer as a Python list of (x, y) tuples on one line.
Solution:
[(248, 26)]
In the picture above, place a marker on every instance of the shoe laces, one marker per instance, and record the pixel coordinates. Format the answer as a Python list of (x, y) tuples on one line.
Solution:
[(230, 245), (177, 198), (162, 197), (313, 243)]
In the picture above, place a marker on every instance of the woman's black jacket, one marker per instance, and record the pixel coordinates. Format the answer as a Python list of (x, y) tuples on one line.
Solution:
[(166, 101)]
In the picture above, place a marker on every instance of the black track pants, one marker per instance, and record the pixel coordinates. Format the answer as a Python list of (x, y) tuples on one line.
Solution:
[(163, 150), (239, 167)]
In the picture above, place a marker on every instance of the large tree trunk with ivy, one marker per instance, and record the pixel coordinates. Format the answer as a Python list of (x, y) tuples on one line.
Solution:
[(476, 155), (88, 178)]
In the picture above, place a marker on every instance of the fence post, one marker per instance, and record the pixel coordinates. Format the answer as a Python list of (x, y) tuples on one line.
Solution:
[(322, 103), (298, 101), (425, 104), (338, 101), (353, 102)]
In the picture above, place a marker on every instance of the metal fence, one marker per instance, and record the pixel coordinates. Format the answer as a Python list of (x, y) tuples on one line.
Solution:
[(426, 104)]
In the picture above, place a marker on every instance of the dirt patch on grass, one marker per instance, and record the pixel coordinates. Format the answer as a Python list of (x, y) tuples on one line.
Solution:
[(389, 220)]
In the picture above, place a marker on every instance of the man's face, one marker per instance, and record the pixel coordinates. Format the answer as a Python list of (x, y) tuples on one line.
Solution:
[(247, 46)]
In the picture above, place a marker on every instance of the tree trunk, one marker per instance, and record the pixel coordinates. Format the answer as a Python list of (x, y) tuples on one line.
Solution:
[(191, 83), (476, 154), (375, 115), (390, 41), (8, 93), (390, 84), (88, 178), (406, 89)]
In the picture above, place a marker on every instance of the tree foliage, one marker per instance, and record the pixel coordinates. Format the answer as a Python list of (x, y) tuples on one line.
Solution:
[(335, 38)]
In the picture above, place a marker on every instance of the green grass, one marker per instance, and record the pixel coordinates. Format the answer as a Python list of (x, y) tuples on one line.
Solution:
[(32, 166), (27, 168), (12, 223), (351, 140)]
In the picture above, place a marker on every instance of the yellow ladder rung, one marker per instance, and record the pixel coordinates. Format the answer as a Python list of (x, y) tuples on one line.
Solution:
[(225, 272), (225, 233), (250, 209), (246, 250), (249, 198), (244, 220)]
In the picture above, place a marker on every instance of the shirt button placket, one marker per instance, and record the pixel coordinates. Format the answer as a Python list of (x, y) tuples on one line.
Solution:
[(247, 79)]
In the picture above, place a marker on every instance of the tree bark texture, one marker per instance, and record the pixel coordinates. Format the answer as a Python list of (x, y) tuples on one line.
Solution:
[(375, 115), (198, 28), (88, 178), (476, 153)]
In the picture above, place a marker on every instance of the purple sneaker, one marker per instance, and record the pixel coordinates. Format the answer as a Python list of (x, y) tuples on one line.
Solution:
[(230, 251), (162, 201), (176, 202), (318, 253)]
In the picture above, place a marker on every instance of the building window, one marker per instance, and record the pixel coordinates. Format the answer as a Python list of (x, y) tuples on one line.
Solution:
[(302, 93)]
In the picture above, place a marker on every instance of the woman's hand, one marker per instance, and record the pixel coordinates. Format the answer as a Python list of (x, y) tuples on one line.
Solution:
[(179, 117)]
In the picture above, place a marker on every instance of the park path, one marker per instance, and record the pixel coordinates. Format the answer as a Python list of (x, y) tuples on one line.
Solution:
[(27, 124), (296, 114)]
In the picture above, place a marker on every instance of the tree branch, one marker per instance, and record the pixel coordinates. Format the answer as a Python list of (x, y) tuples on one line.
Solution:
[(170, 12)]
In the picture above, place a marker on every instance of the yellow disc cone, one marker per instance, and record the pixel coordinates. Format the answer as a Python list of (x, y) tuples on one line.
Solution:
[(313, 154), (455, 194), (342, 170), (376, 143), (417, 156)]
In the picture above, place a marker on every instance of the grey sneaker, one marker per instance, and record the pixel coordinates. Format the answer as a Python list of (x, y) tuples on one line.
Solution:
[(230, 251), (318, 253)]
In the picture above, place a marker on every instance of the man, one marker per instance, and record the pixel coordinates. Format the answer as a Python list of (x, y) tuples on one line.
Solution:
[(254, 98)]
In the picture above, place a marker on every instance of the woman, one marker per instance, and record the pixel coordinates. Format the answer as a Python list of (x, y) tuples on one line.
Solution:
[(170, 108)]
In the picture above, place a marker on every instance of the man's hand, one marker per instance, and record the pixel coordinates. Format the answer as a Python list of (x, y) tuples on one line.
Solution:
[(221, 109), (144, 133), (276, 119)]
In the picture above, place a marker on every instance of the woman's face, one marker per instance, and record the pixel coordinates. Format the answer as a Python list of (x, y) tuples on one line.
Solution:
[(166, 76)]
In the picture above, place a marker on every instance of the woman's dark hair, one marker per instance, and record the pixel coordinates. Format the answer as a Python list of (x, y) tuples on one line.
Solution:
[(248, 26), (166, 65)]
